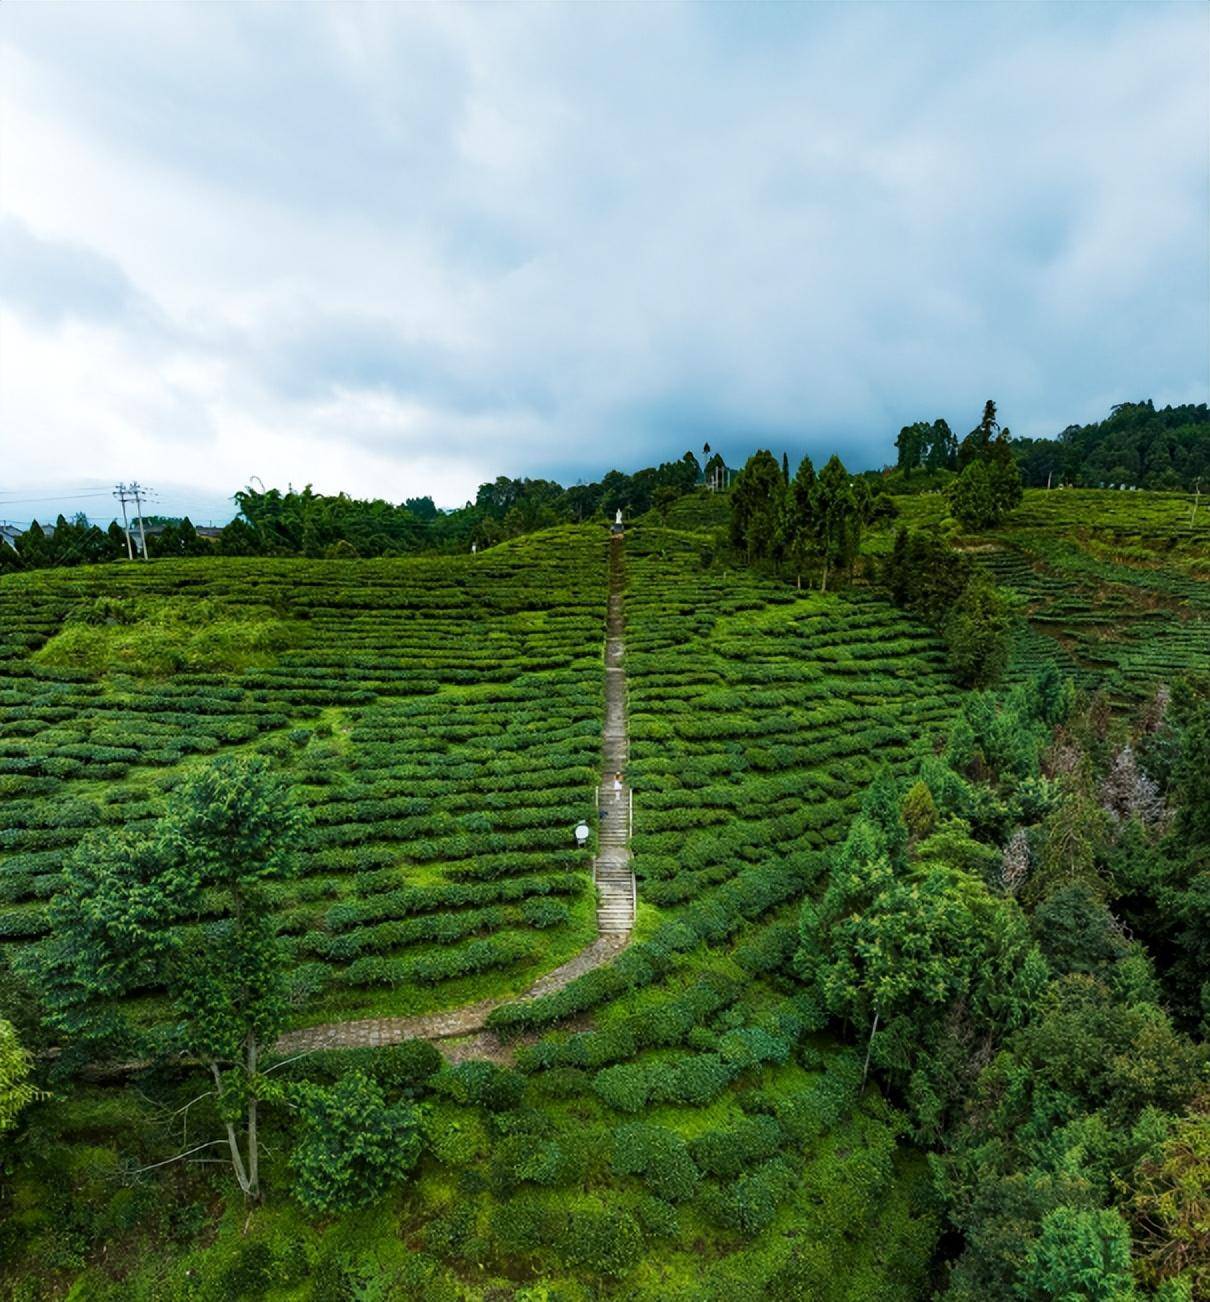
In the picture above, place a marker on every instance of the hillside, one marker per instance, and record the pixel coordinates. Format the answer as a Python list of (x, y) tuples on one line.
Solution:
[(1116, 584), (839, 941)]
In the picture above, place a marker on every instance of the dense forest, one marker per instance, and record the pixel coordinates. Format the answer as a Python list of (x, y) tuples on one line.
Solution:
[(1135, 446)]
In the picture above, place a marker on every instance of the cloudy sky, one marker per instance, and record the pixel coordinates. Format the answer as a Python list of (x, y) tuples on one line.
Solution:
[(400, 249)]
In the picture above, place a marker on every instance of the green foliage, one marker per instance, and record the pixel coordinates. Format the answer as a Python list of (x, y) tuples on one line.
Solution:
[(925, 575), (1079, 1255), (749, 1203), (978, 634), (659, 1157), (1171, 1206), (352, 1145), (756, 507), (132, 914), (16, 1089), (836, 518), (1135, 444), (162, 636), (481, 1083), (1077, 932), (919, 810), (605, 1243), (924, 444)]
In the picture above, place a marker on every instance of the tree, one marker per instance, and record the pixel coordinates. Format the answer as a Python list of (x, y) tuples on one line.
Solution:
[(798, 525), (978, 633), (919, 811), (836, 520), (353, 1144), (911, 445), (972, 497), (882, 807), (943, 447), (1079, 1256), (137, 911), (16, 1091), (989, 485), (756, 506), (665, 495), (926, 575), (1171, 1206), (1127, 792), (974, 446), (231, 830)]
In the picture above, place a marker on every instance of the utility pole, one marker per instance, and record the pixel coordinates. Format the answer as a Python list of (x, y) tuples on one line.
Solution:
[(135, 490), (1197, 498), (121, 492)]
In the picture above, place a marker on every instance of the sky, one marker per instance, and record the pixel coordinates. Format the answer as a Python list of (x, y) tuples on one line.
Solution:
[(400, 249)]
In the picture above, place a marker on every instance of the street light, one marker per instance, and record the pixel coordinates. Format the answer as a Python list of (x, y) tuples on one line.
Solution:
[(583, 832)]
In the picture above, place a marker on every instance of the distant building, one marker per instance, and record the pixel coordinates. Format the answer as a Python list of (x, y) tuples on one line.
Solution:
[(210, 532), (9, 533)]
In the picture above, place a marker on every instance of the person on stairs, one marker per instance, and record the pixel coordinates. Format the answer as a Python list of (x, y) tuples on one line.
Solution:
[(617, 786)]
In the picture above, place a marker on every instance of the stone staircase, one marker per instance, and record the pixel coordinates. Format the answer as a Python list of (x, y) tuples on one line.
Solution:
[(612, 871)]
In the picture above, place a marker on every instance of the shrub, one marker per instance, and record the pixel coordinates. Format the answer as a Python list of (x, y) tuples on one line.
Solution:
[(750, 1203), (726, 1153), (527, 1157), (625, 1087), (526, 1223), (352, 1144), (659, 1157), (607, 1243), (481, 1083)]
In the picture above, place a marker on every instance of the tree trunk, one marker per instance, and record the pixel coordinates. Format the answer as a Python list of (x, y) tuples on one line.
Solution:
[(823, 582), (237, 1160), (865, 1071), (253, 1190)]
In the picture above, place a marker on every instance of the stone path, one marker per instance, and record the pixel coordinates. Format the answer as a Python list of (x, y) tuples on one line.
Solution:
[(612, 870), (461, 1031)]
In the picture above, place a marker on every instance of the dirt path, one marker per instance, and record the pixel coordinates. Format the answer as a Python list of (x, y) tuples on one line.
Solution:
[(461, 1031)]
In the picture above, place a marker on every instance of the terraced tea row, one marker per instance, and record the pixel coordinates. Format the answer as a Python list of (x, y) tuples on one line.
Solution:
[(442, 720), (1116, 584), (757, 717)]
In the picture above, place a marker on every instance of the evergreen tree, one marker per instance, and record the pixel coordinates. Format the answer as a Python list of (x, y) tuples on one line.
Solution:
[(943, 447), (978, 632), (756, 507), (835, 518), (799, 527)]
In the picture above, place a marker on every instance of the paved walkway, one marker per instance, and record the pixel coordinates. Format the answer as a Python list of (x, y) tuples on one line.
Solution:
[(461, 1032), (612, 870)]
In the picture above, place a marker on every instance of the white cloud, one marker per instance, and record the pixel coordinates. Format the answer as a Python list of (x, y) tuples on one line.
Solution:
[(400, 249)]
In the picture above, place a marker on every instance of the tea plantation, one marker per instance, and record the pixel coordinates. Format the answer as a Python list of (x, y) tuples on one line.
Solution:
[(1116, 583), (441, 720), (690, 1119)]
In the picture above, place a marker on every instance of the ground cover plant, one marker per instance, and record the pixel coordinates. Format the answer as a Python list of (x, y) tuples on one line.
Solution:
[(439, 719)]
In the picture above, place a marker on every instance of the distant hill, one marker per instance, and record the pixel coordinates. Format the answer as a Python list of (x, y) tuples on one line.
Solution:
[(1134, 444)]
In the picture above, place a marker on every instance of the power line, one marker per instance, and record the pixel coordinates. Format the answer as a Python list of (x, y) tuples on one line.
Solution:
[(134, 492), (120, 493), (59, 497)]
